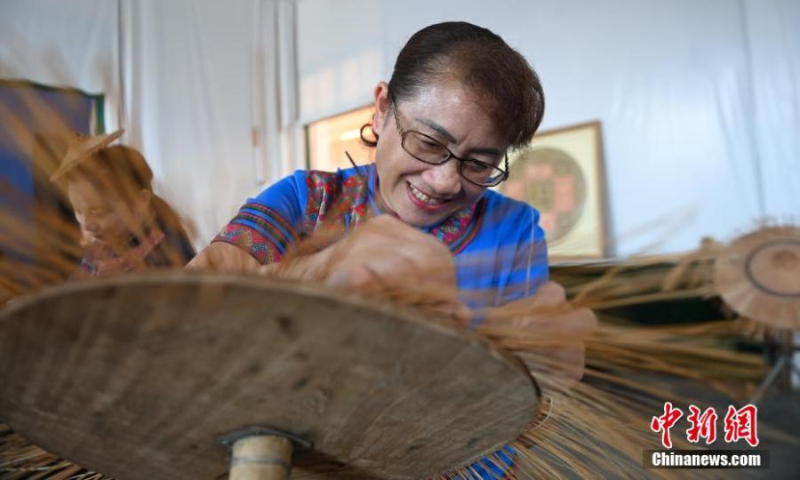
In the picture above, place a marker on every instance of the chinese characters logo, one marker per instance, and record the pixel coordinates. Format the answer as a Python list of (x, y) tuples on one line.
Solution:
[(739, 424)]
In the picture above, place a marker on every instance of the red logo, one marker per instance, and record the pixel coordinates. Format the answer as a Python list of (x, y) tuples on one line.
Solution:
[(740, 424), (703, 426), (665, 422)]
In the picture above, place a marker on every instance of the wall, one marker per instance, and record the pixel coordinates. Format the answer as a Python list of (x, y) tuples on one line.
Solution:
[(65, 44), (698, 100)]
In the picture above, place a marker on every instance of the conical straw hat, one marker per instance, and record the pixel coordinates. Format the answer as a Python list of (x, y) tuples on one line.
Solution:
[(371, 386), (81, 147), (758, 276)]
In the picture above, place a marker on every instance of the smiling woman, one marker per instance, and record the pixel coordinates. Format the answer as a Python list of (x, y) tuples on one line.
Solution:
[(420, 222), (459, 99)]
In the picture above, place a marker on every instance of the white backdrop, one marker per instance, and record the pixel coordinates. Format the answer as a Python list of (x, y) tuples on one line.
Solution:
[(699, 100), (209, 97), (63, 44)]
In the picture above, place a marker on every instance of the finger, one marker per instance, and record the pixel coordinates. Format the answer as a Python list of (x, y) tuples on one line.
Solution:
[(577, 324), (550, 294), (583, 320), (270, 270)]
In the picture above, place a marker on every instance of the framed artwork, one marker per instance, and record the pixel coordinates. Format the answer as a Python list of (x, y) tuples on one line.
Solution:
[(561, 174), (328, 140)]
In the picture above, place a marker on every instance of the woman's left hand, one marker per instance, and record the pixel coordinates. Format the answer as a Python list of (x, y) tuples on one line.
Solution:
[(553, 332)]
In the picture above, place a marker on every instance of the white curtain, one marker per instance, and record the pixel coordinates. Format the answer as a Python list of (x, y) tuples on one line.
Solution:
[(208, 95), (63, 44), (274, 87), (773, 32)]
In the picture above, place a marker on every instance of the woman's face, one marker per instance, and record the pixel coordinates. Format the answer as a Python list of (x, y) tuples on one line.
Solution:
[(419, 193), (105, 218)]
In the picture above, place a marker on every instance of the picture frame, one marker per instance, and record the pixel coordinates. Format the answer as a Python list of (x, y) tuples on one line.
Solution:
[(328, 139), (561, 174)]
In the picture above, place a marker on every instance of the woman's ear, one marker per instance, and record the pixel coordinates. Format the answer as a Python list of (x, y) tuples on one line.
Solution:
[(382, 107)]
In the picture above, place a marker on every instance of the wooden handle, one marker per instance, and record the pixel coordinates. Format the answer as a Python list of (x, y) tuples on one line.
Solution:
[(261, 458)]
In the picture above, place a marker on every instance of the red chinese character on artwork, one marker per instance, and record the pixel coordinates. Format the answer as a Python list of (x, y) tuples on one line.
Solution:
[(703, 426), (665, 422), (741, 424)]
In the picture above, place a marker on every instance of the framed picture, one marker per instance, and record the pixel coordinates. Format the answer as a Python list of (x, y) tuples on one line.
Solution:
[(561, 175), (328, 140)]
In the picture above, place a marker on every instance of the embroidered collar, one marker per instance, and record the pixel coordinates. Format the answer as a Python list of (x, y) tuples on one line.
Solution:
[(352, 200), (456, 231)]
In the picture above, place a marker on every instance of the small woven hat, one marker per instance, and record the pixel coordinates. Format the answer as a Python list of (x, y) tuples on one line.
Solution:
[(758, 276), (81, 147)]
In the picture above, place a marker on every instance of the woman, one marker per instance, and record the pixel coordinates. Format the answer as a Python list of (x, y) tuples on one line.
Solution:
[(124, 225), (458, 101)]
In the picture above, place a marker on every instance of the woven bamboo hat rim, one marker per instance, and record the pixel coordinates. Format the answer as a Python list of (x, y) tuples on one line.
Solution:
[(82, 147)]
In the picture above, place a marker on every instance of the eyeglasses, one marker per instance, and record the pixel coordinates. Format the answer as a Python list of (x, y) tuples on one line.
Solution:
[(429, 150)]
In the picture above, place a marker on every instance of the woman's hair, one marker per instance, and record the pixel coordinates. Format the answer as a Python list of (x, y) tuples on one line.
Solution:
[(123, 172), (119, 171), (482, 61)]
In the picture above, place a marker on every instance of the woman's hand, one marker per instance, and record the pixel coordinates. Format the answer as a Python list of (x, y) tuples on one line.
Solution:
[(224, 257), (384, 257), (553, 332)]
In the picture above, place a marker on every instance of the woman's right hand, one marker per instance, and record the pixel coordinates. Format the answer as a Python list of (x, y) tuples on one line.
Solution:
[(383, 257), (224, 257)]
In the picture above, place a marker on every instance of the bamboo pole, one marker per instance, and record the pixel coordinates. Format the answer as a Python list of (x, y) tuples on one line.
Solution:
[(261, 458)]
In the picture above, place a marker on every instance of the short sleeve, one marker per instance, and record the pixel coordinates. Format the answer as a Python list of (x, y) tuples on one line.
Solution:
[(267, 225), (529, 268)]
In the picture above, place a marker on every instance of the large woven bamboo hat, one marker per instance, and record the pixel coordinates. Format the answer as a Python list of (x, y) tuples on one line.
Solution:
[(81, 147), (758, 276)]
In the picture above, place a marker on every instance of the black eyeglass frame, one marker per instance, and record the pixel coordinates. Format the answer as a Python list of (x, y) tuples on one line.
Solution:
[(461, 161)]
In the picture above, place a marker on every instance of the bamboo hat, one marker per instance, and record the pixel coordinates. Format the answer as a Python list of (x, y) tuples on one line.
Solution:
[(139, 379), (81, 147), (758, 276)]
